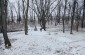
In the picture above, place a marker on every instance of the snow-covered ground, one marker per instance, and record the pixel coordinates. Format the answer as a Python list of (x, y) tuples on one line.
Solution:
[(50, 42)]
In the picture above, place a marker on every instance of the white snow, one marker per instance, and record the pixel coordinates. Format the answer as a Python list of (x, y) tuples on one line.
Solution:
[(50, 42)]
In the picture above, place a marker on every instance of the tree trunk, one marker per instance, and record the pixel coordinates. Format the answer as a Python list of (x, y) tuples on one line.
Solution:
[(78, 17), (19, 16), (82, 25), (4, 4), (64, 16), (73, 15), (26, 18)]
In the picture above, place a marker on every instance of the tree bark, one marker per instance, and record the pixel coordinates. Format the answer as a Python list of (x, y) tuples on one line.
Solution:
[(4, 4)]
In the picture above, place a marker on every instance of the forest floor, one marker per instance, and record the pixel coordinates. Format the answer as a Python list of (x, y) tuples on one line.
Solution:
[(50, 42)]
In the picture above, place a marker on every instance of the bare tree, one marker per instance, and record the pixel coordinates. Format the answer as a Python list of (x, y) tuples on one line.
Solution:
[(82, 25), (4, 4), (59, 11), (25, 14), (73, 15), (43, 11), (64, 16)]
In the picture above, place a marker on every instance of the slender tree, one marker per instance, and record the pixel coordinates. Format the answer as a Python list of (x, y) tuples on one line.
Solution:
[(64, 16), (82, 25), (23, 9), (73, 15), (26, 18), (58, 12), (25, 14)]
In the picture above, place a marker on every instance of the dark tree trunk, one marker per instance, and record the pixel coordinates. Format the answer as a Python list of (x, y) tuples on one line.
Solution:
[(43, 21), (43, 24), (4, 4), (19, 16), (26, 18), (12, 20), (82, 25), (78, 17), (73, 15), (59, 11), (64, 16)]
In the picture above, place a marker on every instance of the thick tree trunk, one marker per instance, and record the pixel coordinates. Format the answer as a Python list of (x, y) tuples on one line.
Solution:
[(4, 4), (43, 24)]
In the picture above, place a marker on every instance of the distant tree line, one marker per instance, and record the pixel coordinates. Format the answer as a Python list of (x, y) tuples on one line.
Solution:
[(67, 12)]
